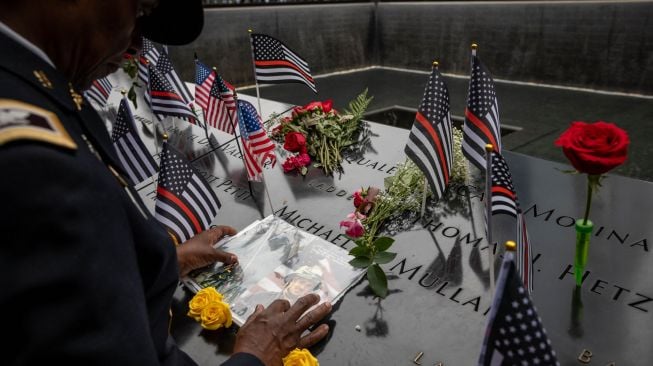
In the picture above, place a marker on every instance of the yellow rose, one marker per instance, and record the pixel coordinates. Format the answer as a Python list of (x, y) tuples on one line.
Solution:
[(201, 299), (300, 357), (216, 315)]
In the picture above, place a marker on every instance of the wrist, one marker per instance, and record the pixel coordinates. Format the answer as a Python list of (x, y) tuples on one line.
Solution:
[(182, 265)]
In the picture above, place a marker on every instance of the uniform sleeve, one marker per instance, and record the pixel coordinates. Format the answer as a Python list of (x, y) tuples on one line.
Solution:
[(243, 359), (72, 290)]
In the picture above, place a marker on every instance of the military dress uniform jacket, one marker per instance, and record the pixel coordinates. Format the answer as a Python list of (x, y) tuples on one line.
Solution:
[(86, 273)]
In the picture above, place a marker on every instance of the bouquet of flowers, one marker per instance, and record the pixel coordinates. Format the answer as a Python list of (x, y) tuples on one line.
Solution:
[(317, 132), (403, 192)]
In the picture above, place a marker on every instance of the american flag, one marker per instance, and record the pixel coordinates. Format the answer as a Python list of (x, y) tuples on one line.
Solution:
[(257, 145), (204, 77), (164, 100), (504, 198), (275, 63), (514, 334), (133, 154), (221, 110), (524, 255), (165, 66), (481, 115), (185, 203), (99, 91), (149, 55), (430, 141)]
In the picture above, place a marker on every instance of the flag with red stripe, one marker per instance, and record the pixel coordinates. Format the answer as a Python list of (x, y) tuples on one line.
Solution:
[(257, 145), (164, 65), (185, 203), (99, 91), (276, 63), (504, 198), (481, 115), (164, 100), (430, 141)]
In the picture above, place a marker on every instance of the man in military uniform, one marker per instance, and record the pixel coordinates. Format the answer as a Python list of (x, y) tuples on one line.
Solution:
[(87, 274)]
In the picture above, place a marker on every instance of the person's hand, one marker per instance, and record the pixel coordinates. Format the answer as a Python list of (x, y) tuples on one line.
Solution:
[(270, 334), (198, 251)]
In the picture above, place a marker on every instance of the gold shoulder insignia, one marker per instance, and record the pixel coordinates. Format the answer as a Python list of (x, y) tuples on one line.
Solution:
[(22, 121)]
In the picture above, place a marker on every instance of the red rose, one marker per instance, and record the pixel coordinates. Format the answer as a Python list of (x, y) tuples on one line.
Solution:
[(295, 142), (296, 111), (358, 198), (289, 165), (303, 159), (313, 105), (327, 105), (594, 148)]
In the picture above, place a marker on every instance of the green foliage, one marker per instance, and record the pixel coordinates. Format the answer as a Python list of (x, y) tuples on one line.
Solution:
[(383, 243), (384, 257), (377, 280), (358, 106), (361, 262), (130, 67)]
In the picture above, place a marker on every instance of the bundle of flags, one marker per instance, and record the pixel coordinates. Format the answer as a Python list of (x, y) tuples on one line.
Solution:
[(224, 111), (514, 333), (430, 145), (185, 203), (275, 63)]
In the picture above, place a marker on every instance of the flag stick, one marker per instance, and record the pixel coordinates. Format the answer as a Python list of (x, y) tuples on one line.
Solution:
[(488, 212), (267, 191), (251, 47), (421, 215), (265, 185)]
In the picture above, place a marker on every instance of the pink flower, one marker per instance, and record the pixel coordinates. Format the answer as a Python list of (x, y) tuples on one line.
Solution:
[(353, 225)]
